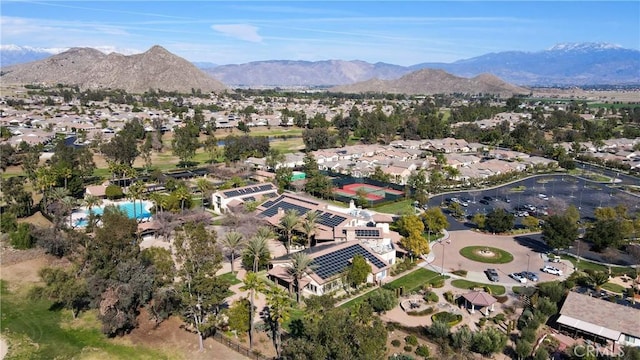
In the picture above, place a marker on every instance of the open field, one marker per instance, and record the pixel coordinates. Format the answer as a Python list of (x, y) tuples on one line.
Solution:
[(398, 207), (466, 284), (414, 280)]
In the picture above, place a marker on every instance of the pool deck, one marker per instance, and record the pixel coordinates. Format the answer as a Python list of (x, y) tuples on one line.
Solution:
[(81, 213)]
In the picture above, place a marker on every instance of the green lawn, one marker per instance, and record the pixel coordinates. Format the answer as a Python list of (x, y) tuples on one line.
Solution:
[(296, 314), (398, 207), (414, 280), (231, 277), (588, 265), (614, 288), (466, 284), (36, 332), (500, 256)]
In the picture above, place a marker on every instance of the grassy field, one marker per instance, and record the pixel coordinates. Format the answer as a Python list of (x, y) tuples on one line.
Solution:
[(231, 277), (500, 256), (414, 280), (588, 265), (34, 331), (399, 207), (614, 288), (466, 284)]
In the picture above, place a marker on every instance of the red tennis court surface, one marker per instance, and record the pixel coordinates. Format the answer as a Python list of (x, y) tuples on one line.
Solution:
[(372, 192)]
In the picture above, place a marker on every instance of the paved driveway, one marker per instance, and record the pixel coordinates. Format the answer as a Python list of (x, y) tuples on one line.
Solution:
[(527, 250)]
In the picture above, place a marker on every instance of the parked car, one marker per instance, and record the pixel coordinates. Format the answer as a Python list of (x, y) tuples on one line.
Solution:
[(518, 277), (492, 275), (530, 275), (552, 270)]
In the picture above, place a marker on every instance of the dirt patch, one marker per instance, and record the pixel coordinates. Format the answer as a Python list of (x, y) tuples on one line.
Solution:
[(36, 219), (170, 337)]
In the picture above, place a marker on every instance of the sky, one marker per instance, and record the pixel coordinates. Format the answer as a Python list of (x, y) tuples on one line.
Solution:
[(396, 32)]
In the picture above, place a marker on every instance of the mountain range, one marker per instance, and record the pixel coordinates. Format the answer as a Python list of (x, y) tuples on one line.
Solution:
[(431, 81), (156, 68), (563, 64)]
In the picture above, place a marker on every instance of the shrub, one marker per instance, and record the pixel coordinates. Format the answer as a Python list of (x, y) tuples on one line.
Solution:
[(431, 297), (499, 318), (382, 300), (426, 311), (438, 283), (460, 272), (423, 351), (113, 192), (411, 340), (447, 318), (482, 322), (502, 299), (21, 238), (528, 334), (396, 342), (449, 297), (408, 348), (400, 357)]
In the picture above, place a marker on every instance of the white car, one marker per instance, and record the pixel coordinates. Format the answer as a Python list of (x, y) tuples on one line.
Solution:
[(552, 270), (518, 277)]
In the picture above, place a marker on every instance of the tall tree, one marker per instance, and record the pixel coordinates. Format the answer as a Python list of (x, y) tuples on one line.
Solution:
[(135, 192), (435, 221), (279, 311), (233, 242), (287, 224), (358, 271), (257, 249), (252, 283), (309, 226), (185, 141), (198, 258), (559, 231), (301, 264)]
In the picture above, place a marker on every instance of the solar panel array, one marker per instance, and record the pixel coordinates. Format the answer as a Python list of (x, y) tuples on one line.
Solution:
[(335, 262), (249, 198), (330, 220), (269, 203), (367, 233), (273, 210), (248, 191)]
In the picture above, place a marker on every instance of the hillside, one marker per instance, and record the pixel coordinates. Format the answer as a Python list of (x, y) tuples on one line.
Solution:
[(89, 68), (429, 81)]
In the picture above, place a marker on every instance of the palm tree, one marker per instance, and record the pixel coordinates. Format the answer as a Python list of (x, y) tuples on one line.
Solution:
[(183, 194), (257, 248), (309, 226), (279, 305), (66, 174), (288, 223), (301, 264), (90, 201), (68, 203), (205, 187), (233, 241), (159, 200), (134, 192), (252, 283)]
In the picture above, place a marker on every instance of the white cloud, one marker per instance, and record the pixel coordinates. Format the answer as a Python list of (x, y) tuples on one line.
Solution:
[(239, 31)]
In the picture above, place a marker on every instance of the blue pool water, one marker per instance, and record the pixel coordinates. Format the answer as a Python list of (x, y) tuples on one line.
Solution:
[(141, 211)]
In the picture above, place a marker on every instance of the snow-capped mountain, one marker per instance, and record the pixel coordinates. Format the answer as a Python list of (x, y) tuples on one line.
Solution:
[(14, 54)]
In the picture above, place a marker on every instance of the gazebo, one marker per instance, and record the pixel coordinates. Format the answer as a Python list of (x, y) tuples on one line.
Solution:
[(480, 299)]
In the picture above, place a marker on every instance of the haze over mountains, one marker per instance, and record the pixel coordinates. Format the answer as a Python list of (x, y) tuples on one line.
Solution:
[(89, 68), (564, 64)]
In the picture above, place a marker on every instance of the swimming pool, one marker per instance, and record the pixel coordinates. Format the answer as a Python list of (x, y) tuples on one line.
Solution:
[(141, 211)]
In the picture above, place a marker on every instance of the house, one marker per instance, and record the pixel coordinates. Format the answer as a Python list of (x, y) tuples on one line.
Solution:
[(605, 321), (224, 199), (329, 263)]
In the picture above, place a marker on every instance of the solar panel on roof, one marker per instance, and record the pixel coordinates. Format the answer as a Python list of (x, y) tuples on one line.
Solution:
[(335, 262), (330, 220), (367, 233), (249, 190), (273, 210)]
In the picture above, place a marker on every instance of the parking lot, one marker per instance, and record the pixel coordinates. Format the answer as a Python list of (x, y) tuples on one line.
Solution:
[(537, 196)]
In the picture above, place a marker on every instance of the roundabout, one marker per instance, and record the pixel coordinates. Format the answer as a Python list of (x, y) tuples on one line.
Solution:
[(486, 254)]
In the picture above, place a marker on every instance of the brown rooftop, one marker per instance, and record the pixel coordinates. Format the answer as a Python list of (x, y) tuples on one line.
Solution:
[(607, 314)]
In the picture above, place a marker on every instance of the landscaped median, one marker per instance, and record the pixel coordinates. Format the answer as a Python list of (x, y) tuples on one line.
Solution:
[(466, 284), (486, 254)]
